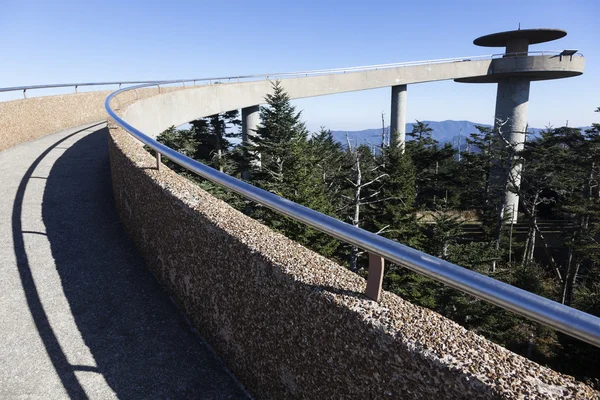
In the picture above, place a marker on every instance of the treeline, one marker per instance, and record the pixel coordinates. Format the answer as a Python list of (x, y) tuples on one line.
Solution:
[(424, 197)]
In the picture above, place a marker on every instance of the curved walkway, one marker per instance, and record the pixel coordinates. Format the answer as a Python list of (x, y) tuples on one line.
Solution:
[(80, 317)]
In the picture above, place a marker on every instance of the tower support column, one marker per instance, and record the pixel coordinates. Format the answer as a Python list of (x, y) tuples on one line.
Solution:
[(398, 116), (250, 122), (512, 104)]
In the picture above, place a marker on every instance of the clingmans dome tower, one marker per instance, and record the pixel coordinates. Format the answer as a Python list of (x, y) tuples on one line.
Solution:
[(513, 72)]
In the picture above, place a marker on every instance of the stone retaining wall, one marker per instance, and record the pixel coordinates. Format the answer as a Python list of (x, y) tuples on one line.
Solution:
[(292, 324), (28, 119)]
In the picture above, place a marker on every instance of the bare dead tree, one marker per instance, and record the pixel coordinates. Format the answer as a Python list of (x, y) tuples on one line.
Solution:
[(357, 200), (506, 168), (383, 132), (459, 137)]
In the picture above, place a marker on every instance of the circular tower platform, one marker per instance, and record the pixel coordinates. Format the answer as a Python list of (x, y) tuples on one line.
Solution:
[(517, 62), (532, 67)]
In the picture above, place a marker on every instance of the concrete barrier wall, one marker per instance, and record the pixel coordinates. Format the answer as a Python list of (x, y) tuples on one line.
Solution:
[(156, 114), (152, 116), (292, 324), (28, 119)]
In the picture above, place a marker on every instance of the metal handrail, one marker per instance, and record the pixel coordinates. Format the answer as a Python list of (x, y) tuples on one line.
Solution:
[(283, 74), (568, 320), (62, 85)]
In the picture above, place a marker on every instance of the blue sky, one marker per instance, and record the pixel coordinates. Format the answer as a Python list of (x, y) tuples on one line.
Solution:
[(53, 42)]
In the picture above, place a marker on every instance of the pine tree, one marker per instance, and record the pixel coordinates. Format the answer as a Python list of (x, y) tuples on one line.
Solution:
[(328, 158), (474, 177), (421, 133), (183, 141), (580, 200), (542, 180), (289, 169), (212, 135), (280, 138), (434, 165), (394, 214), (395, 218)]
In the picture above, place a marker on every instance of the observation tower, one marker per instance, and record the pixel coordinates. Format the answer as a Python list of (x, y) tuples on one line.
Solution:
[(513, 72)]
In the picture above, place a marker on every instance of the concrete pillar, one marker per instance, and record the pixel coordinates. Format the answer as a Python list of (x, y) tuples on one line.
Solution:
[(250, 121), (398, 116), (512, 104)]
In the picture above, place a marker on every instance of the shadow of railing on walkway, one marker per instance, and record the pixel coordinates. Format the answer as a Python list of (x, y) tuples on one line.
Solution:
[(141, 343)]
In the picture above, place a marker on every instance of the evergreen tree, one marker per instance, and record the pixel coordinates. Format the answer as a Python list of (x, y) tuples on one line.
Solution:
[(212, 135), (280, 139), (394, 213), (421, 133), (581, 288), (200, 142), (183, 141), (328, 158), (288, 169), (395, 218), (475, 169), (488, 158), (581, 200), (434, 165), (543, 179)]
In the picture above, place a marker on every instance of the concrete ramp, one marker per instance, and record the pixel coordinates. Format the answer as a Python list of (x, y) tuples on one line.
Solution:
[(80, 315)]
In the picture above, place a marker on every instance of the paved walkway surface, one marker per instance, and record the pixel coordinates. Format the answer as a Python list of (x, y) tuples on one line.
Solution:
[(80, 316)]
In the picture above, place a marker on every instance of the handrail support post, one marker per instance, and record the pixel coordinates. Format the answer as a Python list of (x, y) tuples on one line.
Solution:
[(375, 277)]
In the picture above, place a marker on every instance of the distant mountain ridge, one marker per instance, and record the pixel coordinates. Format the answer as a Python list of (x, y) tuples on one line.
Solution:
[(443, 131)]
